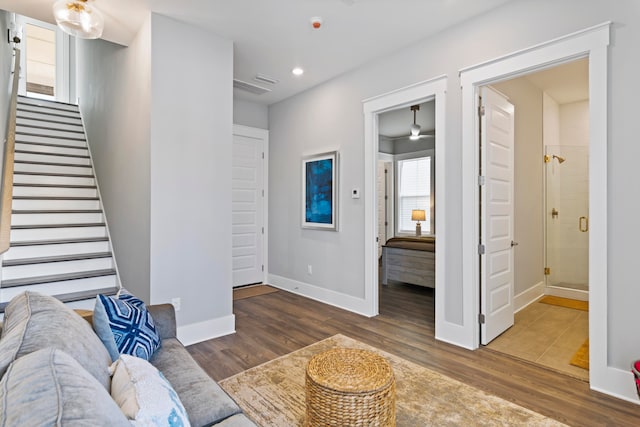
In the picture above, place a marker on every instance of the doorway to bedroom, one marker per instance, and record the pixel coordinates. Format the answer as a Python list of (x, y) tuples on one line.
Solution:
[(420, 205), (406, 205)]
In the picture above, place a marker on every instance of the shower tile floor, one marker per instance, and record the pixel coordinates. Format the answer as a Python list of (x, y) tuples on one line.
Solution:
[(547, 335)]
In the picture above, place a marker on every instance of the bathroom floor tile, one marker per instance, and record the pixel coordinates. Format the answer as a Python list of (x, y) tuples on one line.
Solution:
[(548, 335)]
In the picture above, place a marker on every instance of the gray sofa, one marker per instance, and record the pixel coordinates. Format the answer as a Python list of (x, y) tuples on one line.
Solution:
[(42, 385)]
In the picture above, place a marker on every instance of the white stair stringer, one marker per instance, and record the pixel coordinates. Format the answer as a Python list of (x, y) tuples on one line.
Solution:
[(59, 236)]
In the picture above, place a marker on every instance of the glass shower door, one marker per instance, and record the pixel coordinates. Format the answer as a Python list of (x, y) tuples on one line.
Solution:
[(567, 216)]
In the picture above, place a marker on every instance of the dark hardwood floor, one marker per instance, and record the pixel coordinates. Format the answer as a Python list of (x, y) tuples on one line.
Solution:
[(269, 326)]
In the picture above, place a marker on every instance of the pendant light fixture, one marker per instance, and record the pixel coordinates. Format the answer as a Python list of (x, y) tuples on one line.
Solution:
[(80, 18), (415, 128)]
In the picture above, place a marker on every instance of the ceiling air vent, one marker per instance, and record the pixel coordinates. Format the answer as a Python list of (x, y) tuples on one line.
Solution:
[(265, 79), (250, 87)]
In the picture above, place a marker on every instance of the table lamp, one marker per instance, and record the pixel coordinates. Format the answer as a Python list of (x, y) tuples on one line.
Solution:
[(418, 215)]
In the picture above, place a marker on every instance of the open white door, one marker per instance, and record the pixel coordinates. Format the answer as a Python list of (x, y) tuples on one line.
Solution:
[(496, 228), (248, 205)]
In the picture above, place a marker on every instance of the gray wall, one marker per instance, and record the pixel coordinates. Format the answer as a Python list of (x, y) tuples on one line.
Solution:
[(191, 127), (5, 78), (528, 188), (250, 114), (162, 152), (329, 116), (114, 89)]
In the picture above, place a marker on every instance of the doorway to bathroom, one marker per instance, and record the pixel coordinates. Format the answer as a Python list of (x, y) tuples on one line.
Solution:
[(549, 248)]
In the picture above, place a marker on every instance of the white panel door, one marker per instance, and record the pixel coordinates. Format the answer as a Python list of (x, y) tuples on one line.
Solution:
[(496, 228), (382, 205), (247, 208)]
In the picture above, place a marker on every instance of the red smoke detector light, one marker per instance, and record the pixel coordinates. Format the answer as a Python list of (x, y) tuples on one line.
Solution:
[(316, 22)]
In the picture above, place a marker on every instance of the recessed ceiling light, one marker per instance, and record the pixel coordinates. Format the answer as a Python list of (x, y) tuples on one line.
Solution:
[(297, 71)]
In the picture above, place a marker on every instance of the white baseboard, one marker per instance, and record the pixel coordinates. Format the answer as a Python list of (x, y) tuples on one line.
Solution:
[(523, 299), (327, 296), (202, 331), (617, 383), (453, 333), (567, 293)]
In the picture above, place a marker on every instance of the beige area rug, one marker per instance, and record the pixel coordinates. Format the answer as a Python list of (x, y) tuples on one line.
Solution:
[(273, 394), (252, 291)]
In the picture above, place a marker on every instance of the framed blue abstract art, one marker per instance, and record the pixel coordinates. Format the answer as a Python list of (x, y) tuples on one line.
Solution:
[(320, 191)]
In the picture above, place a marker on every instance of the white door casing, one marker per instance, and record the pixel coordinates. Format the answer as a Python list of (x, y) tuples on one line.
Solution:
[(497, 211), (62, 62), (248, 205), (593, 43)]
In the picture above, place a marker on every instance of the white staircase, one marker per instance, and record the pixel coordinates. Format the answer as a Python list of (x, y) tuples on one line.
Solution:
[(59, 239)]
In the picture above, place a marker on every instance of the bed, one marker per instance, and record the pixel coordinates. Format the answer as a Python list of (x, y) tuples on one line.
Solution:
[(409, 260)]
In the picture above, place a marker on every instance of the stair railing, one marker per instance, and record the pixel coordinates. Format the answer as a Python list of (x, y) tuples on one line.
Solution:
[(6, 196)]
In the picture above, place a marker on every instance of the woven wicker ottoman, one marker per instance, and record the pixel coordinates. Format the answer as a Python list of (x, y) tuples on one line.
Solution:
[(350, 387)]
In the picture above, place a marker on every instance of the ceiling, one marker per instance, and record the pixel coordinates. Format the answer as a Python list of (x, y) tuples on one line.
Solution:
[(565, 83), (272, 37), (396, 123)]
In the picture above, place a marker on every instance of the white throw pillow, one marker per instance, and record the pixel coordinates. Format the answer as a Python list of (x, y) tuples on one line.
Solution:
[(144, 395)]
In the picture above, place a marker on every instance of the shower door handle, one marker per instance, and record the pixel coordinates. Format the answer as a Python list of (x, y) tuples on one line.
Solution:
[(583, 224)]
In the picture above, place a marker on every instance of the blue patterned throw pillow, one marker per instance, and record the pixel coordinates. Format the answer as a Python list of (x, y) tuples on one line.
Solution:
[(125, 326)]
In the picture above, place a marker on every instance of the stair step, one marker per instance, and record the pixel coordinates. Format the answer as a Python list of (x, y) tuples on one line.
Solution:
[(24, 108), (46, 157), (57, 249), (25, 100), (57, 258), (54, 211), (49, 179), (59, 241), (54, 190), (55, 204), (48, 128), (48, 123), (71, 143), (47, 168), (42, 135), (52, 154), (52, 150), (74, 290), (54, 186), (25, 271), (47, 120), (49, 144), (34, 226), (73, 175), (53, 219), (57, 278), (28, 162), (53, 198), (34, 115)]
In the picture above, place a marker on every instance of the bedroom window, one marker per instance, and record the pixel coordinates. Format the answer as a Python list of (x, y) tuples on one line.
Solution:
[(414, 192)]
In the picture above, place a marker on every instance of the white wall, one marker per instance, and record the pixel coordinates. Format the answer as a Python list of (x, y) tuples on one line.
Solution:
[(191, 128), (115, 97), (329, 116), (250, 114), (574, 123), (528, 186)]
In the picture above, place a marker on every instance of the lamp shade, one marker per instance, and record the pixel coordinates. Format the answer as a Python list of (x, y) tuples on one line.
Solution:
[(418, 215), (80, 18)]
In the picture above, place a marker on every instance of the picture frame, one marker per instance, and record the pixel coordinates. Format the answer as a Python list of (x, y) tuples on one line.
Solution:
[(320, 191)]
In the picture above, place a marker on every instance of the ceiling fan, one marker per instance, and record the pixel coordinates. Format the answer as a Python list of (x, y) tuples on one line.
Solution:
[(415, 131)]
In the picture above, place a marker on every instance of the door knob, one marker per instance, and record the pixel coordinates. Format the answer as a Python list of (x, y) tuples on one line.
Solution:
[(514, 243)]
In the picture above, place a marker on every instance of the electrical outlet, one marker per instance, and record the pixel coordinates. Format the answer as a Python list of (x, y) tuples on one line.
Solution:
[(176, 303), (310, 270)]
